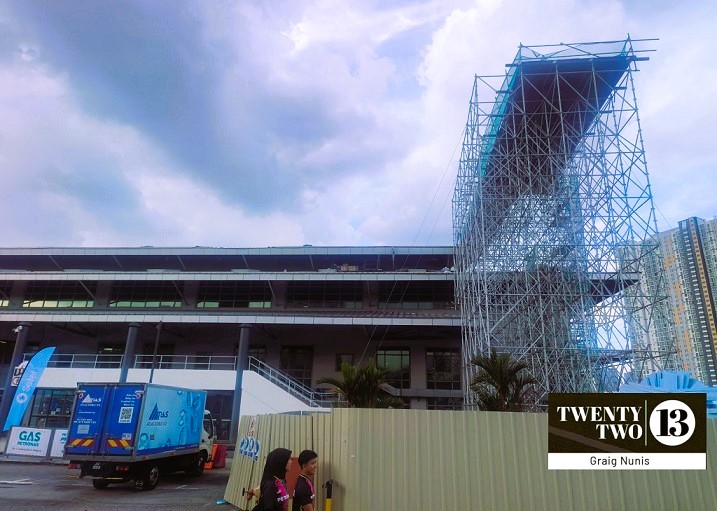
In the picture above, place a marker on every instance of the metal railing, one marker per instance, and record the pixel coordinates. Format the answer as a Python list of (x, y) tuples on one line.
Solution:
[(104, 361), (84, 360), (209, 362), (290, 385), (201, 362)]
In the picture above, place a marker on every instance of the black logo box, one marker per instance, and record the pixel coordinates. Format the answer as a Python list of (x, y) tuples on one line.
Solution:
[(577, 436)]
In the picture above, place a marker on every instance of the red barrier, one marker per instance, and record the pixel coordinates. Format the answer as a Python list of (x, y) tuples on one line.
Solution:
[(219, 455)]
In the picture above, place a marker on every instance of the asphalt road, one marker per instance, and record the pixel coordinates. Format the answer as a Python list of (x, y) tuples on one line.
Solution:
[(32, 486)]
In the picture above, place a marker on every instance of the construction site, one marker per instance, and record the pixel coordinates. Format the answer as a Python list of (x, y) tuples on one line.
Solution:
[(554, 221)]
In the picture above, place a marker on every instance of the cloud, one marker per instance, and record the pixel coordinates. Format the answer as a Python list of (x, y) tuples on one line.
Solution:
[(255, 123)]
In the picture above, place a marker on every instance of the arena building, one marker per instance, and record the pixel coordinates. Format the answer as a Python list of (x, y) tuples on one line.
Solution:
[(176, 316)]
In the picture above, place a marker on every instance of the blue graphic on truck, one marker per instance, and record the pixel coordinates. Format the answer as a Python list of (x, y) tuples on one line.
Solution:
[(172, 419)]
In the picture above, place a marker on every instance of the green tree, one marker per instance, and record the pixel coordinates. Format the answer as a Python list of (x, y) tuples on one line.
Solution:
[(362, 387), (501, 383)]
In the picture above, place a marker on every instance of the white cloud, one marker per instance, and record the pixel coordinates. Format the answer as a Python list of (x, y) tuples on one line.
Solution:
[(321, 90), (50, 151)]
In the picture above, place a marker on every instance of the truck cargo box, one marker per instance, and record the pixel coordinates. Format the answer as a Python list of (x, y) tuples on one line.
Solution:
[(134, 421)]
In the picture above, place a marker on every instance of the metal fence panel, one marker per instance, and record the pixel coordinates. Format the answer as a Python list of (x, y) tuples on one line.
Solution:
[(419, 459)]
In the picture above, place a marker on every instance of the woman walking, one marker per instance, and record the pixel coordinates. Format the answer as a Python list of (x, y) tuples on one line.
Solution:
[(273, 493)]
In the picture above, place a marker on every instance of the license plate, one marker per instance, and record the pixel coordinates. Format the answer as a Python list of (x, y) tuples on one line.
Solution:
[(97, 466)]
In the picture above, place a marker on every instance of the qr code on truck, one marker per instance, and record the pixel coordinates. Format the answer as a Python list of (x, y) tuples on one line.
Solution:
[(125, 414)]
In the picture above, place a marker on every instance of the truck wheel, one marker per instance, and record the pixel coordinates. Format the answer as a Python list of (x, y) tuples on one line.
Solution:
[(100, 484), (198, 468), (148, 478)]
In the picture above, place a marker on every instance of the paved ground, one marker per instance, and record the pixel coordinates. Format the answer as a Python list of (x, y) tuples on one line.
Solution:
[(33, 486)]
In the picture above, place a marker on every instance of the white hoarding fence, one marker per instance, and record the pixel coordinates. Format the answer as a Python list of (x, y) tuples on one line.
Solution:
[(28, 441), (58, 443)]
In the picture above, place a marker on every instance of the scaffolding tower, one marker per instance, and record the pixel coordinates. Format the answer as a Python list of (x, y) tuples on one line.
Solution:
[(553, 221)]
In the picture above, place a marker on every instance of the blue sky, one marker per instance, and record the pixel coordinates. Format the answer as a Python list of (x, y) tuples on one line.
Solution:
[(240, 123)]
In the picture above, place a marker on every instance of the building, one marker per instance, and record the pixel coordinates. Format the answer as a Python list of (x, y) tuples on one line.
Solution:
[(307, 308), (688, 257)]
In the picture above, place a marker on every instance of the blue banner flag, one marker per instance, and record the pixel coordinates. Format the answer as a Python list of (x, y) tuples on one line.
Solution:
[(26, 387)]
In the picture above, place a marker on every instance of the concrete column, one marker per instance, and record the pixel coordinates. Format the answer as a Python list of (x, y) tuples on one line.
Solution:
[(17, 294), (23, 332), (129, 351), (102, 294), (190, 292), (242, 365), (279, 290), (418, 374), (418, 366), (370, 295)]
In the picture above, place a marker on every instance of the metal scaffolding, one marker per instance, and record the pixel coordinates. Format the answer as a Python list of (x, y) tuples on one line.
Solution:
[(553, 220)]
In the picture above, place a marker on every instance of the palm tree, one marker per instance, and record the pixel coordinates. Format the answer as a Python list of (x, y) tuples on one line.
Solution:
[(501, 384), (363, 387)]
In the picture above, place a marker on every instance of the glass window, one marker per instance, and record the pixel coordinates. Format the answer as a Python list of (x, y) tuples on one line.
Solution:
[(258, 352), (444, 403), (51, 408), (297, 362), (326, 295), (343, 357), (146, 294), (398, 363), (234, 295), (59, 294), (219, 402), (109, 354), (416, 295), (5, 288), (443, 369)]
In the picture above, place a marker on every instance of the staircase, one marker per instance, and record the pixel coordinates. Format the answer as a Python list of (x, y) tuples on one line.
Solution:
[(292, 386)]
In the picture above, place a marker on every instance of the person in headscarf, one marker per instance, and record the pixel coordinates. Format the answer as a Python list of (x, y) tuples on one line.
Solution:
[(274, 495)]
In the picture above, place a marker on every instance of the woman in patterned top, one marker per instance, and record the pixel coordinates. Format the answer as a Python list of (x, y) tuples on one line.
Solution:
[(274, 495)]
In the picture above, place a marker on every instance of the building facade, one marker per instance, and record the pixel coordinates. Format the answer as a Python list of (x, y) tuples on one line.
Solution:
[(177, 313), (688, 256)]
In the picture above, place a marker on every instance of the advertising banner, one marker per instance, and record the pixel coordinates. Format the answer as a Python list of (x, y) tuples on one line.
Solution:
[(57, 450), (28, 441), (171, 418), (624, 431), (26, 387)]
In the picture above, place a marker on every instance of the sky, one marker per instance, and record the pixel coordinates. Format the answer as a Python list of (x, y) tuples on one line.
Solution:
[(282, 123)]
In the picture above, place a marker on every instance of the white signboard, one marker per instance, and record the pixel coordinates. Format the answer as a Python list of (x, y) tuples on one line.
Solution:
[(17, 374), (28, 441), (58, 443)]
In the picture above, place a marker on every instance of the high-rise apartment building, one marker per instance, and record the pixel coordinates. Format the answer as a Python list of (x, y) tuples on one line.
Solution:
[(688, 255)]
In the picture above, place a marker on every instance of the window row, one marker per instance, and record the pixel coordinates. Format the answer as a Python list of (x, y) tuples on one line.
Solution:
[(443, 366), (234, 294)]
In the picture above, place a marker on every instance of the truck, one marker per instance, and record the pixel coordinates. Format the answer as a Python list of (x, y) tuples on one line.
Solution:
[(123, 432)]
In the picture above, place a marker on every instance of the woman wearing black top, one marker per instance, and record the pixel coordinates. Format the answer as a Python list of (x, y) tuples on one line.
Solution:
[(274, 495)]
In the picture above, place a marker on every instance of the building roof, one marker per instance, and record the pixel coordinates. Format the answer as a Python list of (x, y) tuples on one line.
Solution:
[(305, 258)]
